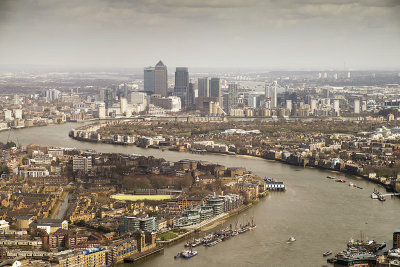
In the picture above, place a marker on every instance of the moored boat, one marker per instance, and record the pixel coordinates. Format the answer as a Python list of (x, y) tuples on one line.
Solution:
[(327, 253), (188, 254)]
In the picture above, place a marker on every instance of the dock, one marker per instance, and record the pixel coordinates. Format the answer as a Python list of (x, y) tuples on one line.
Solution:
[(144, 255)]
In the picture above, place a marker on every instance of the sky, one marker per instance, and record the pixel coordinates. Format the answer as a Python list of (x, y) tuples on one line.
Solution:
[(256, 34)]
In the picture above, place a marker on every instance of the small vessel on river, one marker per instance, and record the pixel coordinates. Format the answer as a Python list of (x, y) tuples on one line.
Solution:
[(327, 253), (291, 239)]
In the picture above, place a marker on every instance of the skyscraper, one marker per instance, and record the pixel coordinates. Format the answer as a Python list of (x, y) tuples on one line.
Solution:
[(108, 98), (148, 81), (161, 79), (192, 94), (232, 96), (215, 88), (182, 85), (204, 87), (271, 95)]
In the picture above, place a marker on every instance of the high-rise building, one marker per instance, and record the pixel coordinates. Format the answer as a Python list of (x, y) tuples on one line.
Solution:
[(108, 98), (181, 88), (232, 96), (161, 79), (148, 79), (215, 88), (204, 87), (123, 104), (192, 94), (396, 240), (336, 107), (271, 96), (80, 163), (357, 106)]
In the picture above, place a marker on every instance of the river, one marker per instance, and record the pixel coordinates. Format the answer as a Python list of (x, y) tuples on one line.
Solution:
[(322, 214)]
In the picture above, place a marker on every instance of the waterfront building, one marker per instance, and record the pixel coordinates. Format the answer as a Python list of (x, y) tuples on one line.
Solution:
[(148, 79), (91, 257), (123, 105), (396, 240), (181, 88), (204, 87), (161, 79), (217, 205)]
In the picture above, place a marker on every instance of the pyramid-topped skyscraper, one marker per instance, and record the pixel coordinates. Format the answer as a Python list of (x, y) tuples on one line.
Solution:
[(160, 79)]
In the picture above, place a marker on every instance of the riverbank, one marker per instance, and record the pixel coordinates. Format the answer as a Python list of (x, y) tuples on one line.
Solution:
[(206, 225)]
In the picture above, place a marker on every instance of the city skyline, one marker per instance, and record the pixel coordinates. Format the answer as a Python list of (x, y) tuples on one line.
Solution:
[(292, 35)]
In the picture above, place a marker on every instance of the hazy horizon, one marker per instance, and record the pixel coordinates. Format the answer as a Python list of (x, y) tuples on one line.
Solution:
[(214, 34)]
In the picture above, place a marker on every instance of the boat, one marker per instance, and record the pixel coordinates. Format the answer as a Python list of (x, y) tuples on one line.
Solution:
[(381, 198), (330, 177), (178, 255), (381, 246), (187, 254), (291, 239), (374, 195), (351, 184), (340, 180), (327, 253)]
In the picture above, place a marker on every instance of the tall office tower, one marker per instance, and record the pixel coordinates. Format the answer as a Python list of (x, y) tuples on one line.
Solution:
[(336, 107), (204, 87), (161, 79), (325, 75), (215, 88), (232, 96), (364, 106), (335, 76), (182, 85), (108, 98), (148, 79), (357, 106), (348, 75), (192, 94)]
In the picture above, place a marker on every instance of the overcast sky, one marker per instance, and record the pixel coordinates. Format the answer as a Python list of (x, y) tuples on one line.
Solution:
[(268, 34)]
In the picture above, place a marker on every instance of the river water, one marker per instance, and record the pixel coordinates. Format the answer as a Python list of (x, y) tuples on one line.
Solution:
[(322, 214)]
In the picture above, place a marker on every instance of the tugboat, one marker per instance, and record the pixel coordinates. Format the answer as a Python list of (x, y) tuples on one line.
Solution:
[(327, 253), (291, 239)]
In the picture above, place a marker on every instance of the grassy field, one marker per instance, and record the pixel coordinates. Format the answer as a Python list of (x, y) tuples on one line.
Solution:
[(140, 197)]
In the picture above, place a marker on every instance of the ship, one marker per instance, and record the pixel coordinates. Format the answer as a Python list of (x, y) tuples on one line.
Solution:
[(340, 180), (291, 239), (330, 177)]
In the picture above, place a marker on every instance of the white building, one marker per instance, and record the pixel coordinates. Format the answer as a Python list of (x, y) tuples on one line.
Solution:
[(7, 115), (18, 113), (356, 106)]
